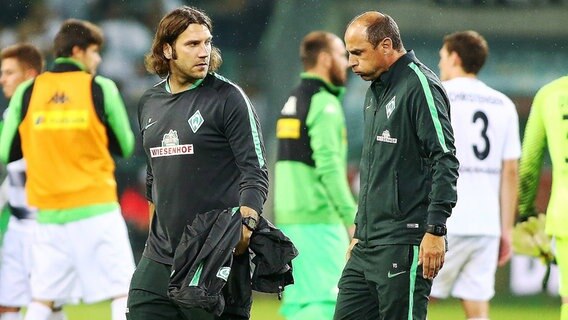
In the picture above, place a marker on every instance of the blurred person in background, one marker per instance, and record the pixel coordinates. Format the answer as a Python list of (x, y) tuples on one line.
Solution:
[(205, 152), (486, 129), (66, 123), (135, 207), (547, 126), (312, 195), (408, 178), (19, 63)]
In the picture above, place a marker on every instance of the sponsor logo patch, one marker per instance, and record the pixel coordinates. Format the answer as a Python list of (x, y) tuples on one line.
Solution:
[(288, 129), (392, 275), (59, 98), (385, 137), (150, 123), (171, 147), (61, 119)]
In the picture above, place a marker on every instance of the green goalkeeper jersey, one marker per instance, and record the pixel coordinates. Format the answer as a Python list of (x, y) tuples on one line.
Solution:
[(311, 171), (547, 125)]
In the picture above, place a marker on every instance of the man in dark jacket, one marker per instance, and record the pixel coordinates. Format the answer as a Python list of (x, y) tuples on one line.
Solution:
[(204, 151), (408, 178)]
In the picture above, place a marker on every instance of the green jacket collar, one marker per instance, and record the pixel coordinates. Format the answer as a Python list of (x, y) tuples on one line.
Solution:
[(338, 91), (69, 61), (193, 86), (395, 68)]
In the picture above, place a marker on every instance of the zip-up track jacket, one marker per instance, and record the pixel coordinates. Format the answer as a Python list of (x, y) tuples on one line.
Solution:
[(408, 167)]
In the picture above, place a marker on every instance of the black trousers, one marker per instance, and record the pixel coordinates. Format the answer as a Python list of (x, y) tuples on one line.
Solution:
[(383, 283), (148, 297)]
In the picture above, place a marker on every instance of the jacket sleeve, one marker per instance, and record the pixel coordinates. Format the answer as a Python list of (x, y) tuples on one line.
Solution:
[(243, 132), (116, 116), (10, 146), (534, 144), (430, 110), (328, 136)]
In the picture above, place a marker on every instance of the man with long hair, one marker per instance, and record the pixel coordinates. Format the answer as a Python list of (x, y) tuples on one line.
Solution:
[(205, 152)]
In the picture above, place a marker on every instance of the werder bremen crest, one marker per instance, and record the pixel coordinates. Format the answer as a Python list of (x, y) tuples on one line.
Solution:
[(195, 121), (390, 106)]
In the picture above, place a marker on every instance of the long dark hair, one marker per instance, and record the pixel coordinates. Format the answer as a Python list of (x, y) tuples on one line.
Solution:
[(169, 29)]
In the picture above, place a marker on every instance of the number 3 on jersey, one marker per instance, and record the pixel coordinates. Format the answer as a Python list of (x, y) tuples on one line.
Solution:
[(480, 153)]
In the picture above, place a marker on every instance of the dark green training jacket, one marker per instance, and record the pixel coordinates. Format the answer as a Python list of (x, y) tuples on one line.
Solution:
[(408, 166)]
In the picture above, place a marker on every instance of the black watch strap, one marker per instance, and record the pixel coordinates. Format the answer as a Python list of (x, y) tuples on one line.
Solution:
[(250, 223), (437, 229)]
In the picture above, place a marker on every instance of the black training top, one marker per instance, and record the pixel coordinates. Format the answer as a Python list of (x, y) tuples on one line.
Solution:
[(204, 150)]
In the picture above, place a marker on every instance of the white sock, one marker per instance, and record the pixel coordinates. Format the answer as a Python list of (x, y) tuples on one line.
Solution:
[(58, 315), (11, 316), (37, 311), (118, 308), (478, 319)]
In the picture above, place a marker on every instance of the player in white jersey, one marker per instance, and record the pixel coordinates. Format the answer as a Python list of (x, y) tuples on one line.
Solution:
[(19, 63), (486, 130)]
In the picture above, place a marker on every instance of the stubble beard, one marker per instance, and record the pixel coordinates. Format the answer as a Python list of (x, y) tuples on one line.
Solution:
[(188, 74), (337, 76)]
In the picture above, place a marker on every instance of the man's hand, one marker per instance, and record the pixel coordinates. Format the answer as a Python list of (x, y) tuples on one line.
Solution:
[(246, 233), (351, 245), (431, 255), (505, 248), (351, 231)]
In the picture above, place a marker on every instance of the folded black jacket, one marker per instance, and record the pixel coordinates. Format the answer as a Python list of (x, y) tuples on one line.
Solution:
[(204, 264)]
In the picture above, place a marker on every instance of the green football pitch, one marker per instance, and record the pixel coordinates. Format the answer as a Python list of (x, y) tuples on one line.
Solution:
[(265, 307)]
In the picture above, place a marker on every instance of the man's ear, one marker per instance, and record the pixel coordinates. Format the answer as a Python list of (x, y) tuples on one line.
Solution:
[(324, 59), (386, 46), (455, 59), (167, 51), (76, 52), (30, 73)]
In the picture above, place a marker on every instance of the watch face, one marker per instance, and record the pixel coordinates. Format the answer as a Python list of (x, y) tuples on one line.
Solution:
[(438, 230), (250, 222)]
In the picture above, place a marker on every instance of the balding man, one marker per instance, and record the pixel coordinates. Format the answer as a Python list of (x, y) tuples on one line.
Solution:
[(408, 178)]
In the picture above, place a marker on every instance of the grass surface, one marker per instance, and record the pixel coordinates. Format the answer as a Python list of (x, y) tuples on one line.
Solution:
[(539, 307)]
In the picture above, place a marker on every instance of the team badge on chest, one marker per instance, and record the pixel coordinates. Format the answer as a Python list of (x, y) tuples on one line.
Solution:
[(391, 106), (195, 121)]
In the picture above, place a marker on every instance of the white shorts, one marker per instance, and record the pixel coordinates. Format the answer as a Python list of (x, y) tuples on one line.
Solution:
[(92, 253), (469, 269), (15, 266)]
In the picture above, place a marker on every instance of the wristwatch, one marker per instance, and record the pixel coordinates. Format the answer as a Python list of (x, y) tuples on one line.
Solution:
[(437, 229), (250, 223)]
